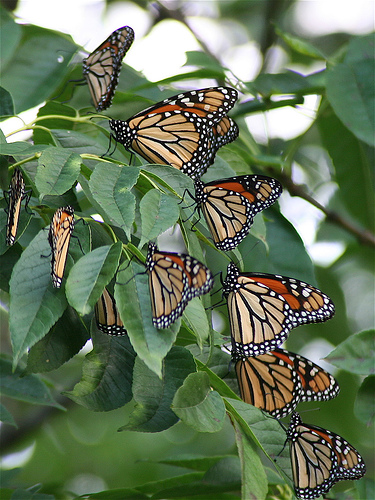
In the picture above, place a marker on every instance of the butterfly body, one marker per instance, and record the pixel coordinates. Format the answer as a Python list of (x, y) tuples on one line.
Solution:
[(263, 308), (278, 380), (230, 205), (102, 67), (107, 316), (174, 279), (179, 131), (320, 458), (60, 232), (16, 194)]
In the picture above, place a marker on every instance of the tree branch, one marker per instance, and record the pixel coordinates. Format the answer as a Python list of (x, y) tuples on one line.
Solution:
[(364, 236)]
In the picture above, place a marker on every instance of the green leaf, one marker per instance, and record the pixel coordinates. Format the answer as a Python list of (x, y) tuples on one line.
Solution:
[(95, 144), (356, 354), (191, 486), (198, 58), (61, 343), (29, 388), (198, 405), (196, 318), (6, 103), (169, 177), (58, 170), (282, 83), (360, 48), (107, 375), (133, 302), (254, 479), (351, 92), (154, 396), (300, 45), (22, 148), (364, 406), (90, 275), (6, 417), (159, 212), (264, 431), (11, 32), (41, 46), (351, 162), (34, 304), (110, 186)]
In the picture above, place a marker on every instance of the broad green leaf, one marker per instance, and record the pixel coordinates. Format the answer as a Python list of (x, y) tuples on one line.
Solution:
[(351, 92), (154, 396), (29, 388), (90, 275), (35, 305), (43, 47), (353, 167), (58, 170), (196, 318), (356, 354), (61, 343), (364, 406), (80, 143), (132, 297), (254, 480), (6, 417), (198, 405), (263, 430), (158, 213), (107, 374), (110, 186)]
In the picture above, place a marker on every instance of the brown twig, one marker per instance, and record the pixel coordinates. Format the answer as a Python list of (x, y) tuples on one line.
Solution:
[(364, 236)]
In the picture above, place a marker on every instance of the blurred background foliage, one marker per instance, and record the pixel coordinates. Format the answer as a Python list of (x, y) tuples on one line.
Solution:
[(306, 117)]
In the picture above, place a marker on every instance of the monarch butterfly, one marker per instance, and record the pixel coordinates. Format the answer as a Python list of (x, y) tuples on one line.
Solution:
[(184, 131), (263, 308), (59, 235), (320, 458), (107, 316), (230, 205), (222, 133), (278, 380), (174, 279), (102, 67), (16, 194)]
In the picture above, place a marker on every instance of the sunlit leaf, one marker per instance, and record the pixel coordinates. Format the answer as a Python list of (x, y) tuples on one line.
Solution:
[(89, 276)]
